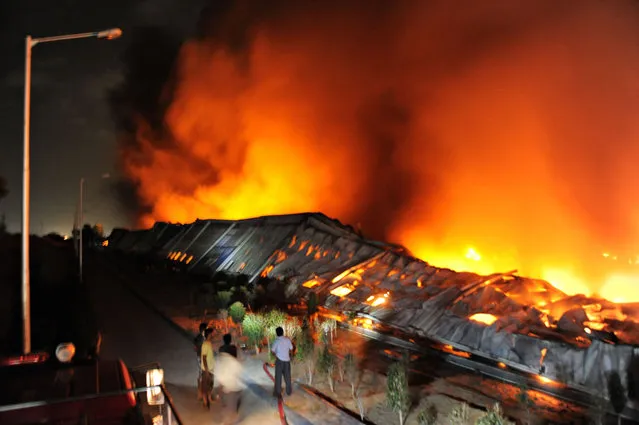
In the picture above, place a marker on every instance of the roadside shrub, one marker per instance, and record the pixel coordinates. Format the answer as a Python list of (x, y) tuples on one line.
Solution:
[(460, 415), (397, 395), (237, 312), (253, 328), (494, 416), (351, 371), (306, 353), (427, 416), (326, 363)]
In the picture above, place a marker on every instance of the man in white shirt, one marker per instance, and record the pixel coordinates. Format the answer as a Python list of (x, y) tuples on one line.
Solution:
[(282, 348)]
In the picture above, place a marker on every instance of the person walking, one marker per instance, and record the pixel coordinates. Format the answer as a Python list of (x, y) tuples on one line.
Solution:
[(282, 348), (197, 346), (228, 373), (208, 365)]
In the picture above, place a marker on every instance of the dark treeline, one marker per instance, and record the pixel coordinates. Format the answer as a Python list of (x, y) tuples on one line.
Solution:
[(60, 307)]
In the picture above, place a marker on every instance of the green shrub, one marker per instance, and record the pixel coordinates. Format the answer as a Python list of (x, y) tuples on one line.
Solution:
[(222, 299), (494, 416), (460, 415), (237, 312), (253, 328), (306, 353), (326, 363), (397, 395), (427, 416)]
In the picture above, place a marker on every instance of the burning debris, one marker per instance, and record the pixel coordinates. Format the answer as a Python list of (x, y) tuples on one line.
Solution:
[(523, 323), (459, 132)]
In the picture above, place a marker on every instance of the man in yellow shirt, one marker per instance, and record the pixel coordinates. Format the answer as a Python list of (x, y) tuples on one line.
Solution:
[(208, 363)]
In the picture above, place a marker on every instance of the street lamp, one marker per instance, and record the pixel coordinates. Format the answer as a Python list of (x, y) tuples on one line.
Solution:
[(109, 34)]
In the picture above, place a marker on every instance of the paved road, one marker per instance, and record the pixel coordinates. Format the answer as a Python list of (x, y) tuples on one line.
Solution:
[(136, 334)]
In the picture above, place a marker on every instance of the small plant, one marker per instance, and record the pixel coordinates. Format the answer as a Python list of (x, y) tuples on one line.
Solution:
[(351, 371), (460, 415), (224, 317), (397, 395), (222, 299), (317, 323), (250, 294), (494, 416), (306, 353), (360, 407), (326, 363), (273, 319), (340, 369), (253, 327), (427, 416), (329, 326), (292, 327), (237, 312)]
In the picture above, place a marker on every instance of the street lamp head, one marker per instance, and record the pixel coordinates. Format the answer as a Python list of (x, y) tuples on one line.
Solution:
[(110, 34)]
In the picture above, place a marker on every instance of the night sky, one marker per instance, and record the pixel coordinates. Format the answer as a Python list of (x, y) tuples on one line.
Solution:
[(72, 130)]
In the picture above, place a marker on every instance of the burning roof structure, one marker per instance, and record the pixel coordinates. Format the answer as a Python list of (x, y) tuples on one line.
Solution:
[(525, 323)]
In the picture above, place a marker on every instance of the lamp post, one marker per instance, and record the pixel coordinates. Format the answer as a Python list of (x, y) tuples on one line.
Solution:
[(26, 169)]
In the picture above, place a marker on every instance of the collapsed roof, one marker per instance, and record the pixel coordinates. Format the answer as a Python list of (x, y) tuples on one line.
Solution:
[(526, 323)]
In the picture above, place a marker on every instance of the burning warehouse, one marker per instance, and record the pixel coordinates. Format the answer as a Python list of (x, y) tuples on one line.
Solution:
[(509, 126), (524, 323)]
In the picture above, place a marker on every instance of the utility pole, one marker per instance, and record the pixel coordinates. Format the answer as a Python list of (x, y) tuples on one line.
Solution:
[(26, 198)]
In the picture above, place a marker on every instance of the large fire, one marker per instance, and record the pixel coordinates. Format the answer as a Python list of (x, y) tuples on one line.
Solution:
[(484, 138)]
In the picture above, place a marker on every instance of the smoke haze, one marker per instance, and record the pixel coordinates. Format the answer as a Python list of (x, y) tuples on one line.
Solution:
[(509, 127)]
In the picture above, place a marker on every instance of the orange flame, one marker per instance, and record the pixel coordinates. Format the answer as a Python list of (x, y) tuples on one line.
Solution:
[(458, 141)]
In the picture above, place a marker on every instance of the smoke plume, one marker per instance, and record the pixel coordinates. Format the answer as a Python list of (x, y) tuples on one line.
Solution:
[(508, 127)]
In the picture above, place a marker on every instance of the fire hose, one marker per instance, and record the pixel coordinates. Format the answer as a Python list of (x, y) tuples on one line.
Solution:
[(280, 402)]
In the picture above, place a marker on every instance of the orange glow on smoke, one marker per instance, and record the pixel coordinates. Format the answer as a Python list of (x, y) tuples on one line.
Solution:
[(517, 162)]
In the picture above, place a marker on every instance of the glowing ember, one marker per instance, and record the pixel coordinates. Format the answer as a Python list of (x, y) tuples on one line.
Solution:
[(342, 291), (544, 351), (378, 301), (451, 350), (311, 283), (546, 381), (280, 256), (267, 270), (340, 276), (484, 318), (364, 323)]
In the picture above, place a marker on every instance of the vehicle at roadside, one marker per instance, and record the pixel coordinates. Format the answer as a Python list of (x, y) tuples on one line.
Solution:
[(59, 389)]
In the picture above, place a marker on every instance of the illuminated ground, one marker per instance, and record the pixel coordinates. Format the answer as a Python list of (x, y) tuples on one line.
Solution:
[(431, 376)]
